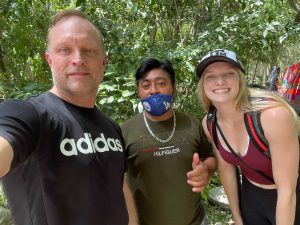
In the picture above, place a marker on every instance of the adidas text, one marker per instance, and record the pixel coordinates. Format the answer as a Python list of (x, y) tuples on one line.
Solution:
[(86, 145)]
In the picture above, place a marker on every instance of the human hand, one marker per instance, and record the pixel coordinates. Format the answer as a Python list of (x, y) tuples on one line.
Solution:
[(198, 177), (238, 221)]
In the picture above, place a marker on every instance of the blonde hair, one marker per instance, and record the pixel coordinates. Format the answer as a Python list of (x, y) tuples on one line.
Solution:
[(64, 14), (67, 13), (250, 99), (242, 99), (263, 99)]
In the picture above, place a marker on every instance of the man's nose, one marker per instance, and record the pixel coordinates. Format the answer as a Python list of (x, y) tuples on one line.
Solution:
[(154, 90), (78, 59)]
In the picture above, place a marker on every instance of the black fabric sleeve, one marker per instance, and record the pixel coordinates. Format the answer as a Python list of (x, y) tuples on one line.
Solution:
[(119, 130), (20, 126), (206, 149)]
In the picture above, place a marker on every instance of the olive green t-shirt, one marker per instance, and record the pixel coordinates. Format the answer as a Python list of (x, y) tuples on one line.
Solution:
[(157, 171)]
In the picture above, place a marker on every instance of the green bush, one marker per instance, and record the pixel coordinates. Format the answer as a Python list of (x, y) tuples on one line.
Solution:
[(3, 201)]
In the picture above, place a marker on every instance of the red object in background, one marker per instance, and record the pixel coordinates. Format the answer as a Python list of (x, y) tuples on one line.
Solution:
[(290, 89)]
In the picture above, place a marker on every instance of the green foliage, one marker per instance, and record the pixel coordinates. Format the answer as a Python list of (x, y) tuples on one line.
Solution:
[(182, 31), (3, 201), (215, 213), (218, 214), (261, 32)]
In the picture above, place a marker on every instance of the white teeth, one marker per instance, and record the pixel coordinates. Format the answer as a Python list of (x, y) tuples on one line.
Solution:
[(221, 90)]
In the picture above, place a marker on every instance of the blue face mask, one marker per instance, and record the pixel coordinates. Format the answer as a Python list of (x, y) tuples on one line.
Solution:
[(157, 104)]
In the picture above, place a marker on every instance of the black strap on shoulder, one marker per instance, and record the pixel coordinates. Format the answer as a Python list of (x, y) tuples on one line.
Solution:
[(211, 121), (256, 132), (250, 122), (241, 160)]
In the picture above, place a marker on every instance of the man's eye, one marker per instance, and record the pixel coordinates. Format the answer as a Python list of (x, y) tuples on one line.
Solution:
[(89, 51), (64, 50), (146, 86), (161, 83)]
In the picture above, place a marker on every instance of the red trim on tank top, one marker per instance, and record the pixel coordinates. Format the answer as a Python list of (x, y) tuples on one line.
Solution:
[(263, 147)]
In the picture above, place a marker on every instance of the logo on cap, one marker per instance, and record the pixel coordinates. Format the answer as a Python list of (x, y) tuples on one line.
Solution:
[(218, 55), (220, 52)]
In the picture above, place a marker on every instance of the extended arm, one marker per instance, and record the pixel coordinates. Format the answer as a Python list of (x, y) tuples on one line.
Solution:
[(133, 218), (284, 147), (202, 170), (6, 156), (227, 173)]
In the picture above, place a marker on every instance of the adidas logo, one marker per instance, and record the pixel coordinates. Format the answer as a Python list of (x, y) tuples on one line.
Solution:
[(86, 145)]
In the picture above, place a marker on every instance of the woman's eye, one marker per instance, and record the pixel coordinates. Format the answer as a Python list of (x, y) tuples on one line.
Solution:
[(210, 77), (230, 74)]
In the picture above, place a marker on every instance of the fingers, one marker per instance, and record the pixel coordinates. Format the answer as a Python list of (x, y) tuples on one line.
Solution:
[(198, 177), (198, 182), (199, 168), (197, 186), (196, 160)]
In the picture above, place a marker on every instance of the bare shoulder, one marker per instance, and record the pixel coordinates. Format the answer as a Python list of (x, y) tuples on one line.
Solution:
[(204, 123), (276, 114), (204, 120), (277, 121), (204, 126)]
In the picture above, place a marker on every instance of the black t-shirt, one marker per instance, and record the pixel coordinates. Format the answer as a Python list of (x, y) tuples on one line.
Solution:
[(68, 163)]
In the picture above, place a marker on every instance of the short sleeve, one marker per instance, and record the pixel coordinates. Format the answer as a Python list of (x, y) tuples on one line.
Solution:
[(20, 126), (206, 149)]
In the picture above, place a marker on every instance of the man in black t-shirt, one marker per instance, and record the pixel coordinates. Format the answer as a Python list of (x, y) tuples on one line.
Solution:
[(61, 159)]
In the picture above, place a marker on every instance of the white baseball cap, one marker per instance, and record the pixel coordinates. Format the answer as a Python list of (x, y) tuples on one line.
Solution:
[(218, 55)]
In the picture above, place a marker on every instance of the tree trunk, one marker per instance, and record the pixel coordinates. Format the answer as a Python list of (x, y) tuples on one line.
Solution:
[(296, 6)]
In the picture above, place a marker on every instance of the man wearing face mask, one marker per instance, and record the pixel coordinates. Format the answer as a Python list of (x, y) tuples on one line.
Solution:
[(169, 158)]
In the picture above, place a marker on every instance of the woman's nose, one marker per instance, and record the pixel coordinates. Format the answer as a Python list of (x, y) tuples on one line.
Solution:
[(220, 79)]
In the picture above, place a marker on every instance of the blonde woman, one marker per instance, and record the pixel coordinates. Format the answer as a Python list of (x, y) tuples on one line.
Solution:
[(268, 194)]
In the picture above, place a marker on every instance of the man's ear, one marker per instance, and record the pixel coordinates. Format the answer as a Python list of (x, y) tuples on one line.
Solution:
[(174, 90), (48, 58), (137, 89), (105, 60)]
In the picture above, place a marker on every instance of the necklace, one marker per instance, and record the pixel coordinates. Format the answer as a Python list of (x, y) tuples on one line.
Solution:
[(157, 138)]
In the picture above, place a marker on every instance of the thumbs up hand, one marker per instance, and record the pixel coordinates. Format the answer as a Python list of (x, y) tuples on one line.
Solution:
[(198, 177)]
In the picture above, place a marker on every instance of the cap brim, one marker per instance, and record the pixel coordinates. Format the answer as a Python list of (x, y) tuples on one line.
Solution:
[(204, 63)]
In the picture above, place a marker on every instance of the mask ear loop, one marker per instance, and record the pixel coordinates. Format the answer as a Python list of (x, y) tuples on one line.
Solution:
[(174, 93), (139, 105), (136, 93)]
